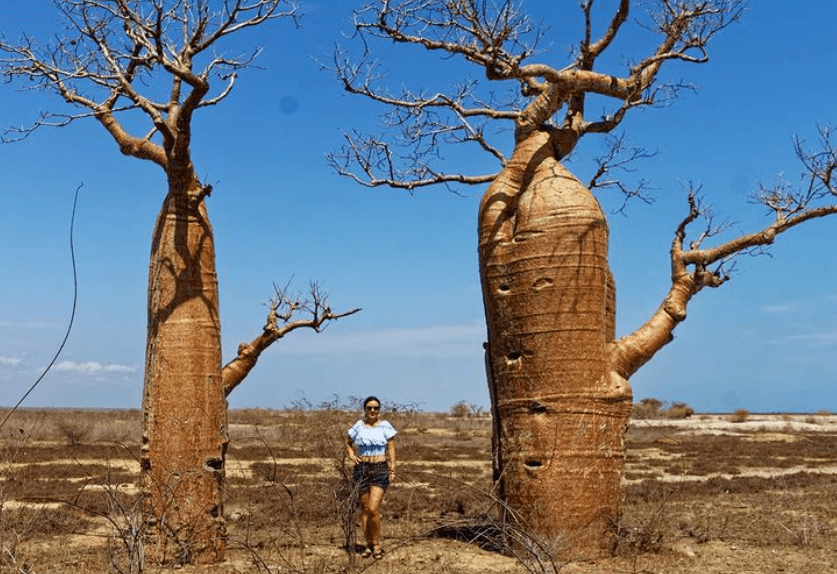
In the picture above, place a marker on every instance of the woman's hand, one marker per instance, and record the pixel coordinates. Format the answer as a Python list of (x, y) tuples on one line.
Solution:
[(350, 451)]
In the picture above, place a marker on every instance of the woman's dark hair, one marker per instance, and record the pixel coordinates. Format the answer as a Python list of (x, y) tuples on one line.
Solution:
[(368, 400)]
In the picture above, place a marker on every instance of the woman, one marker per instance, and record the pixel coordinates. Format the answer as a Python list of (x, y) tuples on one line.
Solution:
[(374, 469)]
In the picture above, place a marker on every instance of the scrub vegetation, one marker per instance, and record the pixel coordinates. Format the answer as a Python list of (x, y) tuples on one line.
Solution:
[(702, 494)]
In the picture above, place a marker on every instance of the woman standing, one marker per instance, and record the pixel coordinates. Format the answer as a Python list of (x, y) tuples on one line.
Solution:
[(374, 469)]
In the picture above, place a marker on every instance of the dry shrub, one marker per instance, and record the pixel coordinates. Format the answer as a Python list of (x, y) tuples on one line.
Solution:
[(647, 408), (283, 512), (279, 508), (24, 519), (76, 426), (463, 409), (819, 417), (647, 526), (256, 417), (679, 410), (45, 522), (73, 431), (651, 408), (739, 416)]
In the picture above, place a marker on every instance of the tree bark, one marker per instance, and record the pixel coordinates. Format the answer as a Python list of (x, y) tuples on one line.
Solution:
[(184, 404), (550, 305)]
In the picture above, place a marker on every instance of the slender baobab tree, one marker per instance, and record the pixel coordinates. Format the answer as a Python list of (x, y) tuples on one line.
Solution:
[(557, 375), (150, 65)]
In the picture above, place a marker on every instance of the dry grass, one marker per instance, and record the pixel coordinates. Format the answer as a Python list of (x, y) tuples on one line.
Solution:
[(70, 505)]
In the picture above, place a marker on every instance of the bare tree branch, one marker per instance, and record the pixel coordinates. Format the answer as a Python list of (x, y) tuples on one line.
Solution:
[(621, 157), (503, 42), (375, 158), (115, 54), (497, 36), (694, 267), (288, 312)]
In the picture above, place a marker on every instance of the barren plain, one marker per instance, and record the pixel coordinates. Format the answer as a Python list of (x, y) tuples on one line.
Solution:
[(706, 494)]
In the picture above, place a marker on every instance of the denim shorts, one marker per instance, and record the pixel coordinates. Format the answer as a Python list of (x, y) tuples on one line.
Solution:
[(368, 474)]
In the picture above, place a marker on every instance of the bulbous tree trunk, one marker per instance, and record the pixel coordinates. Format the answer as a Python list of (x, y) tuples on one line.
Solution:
[(185, 415), (560, 413)]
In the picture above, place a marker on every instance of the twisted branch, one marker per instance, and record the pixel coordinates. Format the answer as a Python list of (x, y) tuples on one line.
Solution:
[(113, 50), (695, 267), (288, 312), (503, 42)]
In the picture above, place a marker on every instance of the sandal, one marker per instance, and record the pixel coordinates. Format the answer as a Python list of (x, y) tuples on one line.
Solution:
[(379, 553), (367, 552)]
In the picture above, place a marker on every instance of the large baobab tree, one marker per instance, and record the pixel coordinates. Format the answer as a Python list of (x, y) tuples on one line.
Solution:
[(142, 69), (557, 375)]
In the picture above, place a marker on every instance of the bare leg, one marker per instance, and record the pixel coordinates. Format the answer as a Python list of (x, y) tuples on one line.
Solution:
[(370, 518), (364, 517)]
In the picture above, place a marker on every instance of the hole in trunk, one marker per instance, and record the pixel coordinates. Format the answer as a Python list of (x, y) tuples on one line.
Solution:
[(513, 356), (543, 283), (538, 408), (532, 464), (213, 464), (504, 288)]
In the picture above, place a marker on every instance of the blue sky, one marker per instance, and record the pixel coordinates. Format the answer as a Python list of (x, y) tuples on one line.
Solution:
[(765, 341)]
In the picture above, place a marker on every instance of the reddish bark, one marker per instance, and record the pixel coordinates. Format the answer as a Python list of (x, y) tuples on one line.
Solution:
[(184, 404), (549, 307)]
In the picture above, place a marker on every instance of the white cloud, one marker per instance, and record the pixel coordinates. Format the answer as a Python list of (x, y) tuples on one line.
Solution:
[(792, 307), (9, 361), (822, 339), (93, 368)]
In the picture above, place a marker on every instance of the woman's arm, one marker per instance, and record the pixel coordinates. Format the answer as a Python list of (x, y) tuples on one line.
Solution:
[(391, 458), (350, 450)]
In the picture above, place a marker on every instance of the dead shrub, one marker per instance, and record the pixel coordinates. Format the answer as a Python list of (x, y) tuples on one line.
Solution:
[(44, 522), (463, 409), (647, 408), (650, 409), (739, 416), (73, 430), (678, 410)]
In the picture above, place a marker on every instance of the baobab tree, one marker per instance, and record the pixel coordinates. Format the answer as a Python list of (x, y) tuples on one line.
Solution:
[(557, 374), (142, 69)]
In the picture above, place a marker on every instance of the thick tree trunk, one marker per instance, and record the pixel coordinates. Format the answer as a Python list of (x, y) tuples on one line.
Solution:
[(184, 405), (549, 305)]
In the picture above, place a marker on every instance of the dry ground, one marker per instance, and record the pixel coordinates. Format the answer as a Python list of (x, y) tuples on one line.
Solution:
[(703, 494)]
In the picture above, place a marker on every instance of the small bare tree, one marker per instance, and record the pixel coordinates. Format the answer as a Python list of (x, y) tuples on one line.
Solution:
[(142, 69), (557, 375)]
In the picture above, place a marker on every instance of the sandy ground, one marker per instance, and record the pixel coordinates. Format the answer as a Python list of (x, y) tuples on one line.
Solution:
[(684, 549)]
